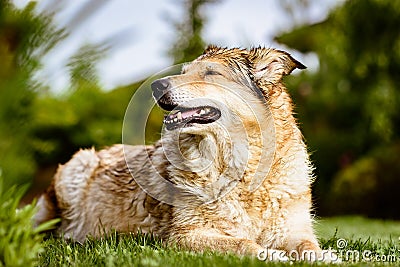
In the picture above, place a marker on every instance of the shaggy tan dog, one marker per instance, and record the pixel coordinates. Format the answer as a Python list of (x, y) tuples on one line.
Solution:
[(230, 173)]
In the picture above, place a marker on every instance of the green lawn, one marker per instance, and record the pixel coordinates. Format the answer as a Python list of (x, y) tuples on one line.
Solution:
[(378, 240)]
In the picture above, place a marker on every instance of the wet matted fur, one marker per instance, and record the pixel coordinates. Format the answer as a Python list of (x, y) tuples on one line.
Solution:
[(196, 186)]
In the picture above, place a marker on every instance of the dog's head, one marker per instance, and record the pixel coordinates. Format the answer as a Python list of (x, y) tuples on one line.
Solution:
[(223, 85)]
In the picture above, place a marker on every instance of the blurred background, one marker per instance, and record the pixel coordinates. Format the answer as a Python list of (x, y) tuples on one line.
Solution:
[(69, 68)]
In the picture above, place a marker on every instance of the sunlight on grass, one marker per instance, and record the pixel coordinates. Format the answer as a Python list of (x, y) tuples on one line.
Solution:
[(379, 237), (356, 227)]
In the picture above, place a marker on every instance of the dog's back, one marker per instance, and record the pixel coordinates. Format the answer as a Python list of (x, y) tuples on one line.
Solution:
[(95, 192), (70, 181)]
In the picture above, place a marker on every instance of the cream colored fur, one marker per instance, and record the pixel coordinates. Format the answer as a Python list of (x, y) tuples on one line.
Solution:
[(239, 184)]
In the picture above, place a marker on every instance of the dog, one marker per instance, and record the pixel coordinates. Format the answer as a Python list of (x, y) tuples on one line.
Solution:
[(231, 172)]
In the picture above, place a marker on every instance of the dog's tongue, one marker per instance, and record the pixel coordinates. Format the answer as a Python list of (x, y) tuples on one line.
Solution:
[(183, 115), (188, 113)]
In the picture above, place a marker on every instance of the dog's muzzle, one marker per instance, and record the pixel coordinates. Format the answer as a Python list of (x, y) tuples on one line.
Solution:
[(179, 115)]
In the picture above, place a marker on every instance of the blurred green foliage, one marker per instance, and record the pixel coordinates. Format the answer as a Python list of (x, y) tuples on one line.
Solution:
[(79, 119), (84, 116), (369, 186), (189, 42), (38, 128), (24, 39), (349, 108)]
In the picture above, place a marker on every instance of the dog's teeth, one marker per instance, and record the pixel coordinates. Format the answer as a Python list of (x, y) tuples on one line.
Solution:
[(202, 112), (176, 119), (179, 115)]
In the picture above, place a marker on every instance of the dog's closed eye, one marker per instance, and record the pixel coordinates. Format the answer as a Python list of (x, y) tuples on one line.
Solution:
[(212, 72), (275, 61)]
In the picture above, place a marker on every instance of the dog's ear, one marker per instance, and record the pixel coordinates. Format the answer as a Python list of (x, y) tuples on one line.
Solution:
[(211, 48), (271, 64)]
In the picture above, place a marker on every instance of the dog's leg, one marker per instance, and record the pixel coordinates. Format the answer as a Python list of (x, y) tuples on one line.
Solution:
[(302, 244), (303, 248), (202, 239), (307, 249)]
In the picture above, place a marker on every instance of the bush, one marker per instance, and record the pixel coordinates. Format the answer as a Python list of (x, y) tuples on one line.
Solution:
[(368, 186), (20, 244)]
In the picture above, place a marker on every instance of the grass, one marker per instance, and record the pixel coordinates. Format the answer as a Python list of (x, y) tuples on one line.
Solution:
[(379, 238), (359, 242), (19, 242)]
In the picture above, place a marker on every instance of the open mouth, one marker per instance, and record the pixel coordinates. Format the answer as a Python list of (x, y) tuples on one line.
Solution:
[(185, 117)]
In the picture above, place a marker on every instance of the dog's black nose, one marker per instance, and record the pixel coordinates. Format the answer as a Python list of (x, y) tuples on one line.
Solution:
[(159, 87)]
